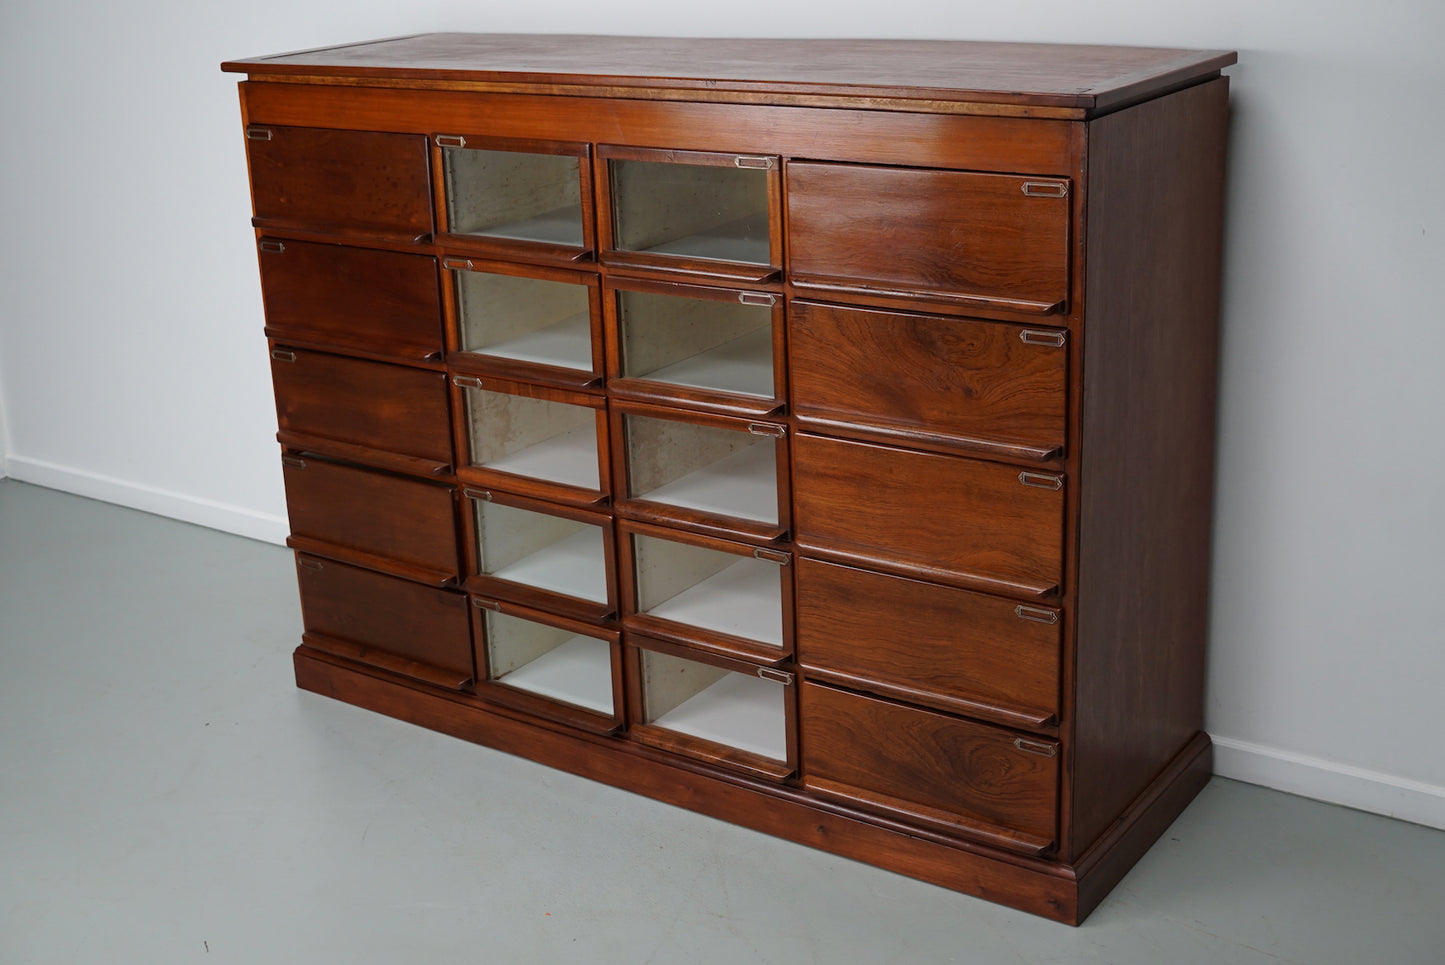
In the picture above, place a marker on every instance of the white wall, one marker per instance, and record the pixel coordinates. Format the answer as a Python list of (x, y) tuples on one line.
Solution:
[(134, 368)]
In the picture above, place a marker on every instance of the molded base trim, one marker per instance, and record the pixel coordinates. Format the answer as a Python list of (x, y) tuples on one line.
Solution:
[(149, 499), (1330, 781)]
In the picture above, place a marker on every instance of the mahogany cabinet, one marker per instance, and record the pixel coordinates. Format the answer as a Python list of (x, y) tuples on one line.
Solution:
[(816, 435)]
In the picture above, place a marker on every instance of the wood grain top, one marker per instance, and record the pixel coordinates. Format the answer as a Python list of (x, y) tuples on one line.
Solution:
[(1088, 79)]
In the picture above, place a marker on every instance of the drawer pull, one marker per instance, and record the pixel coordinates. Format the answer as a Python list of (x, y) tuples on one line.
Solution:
[(457, 264), (450, 140), (492, 605), (1056, 339), (1036, 747), (283, 355), (757, 163), (1040, 480), (772, 556), (777, 676), (757, 298), (1045, 189), (309, 563), (294, 462), (467, 381), (272, 246), (254, 133), (1036, 613), (481, 494), (764, 429)]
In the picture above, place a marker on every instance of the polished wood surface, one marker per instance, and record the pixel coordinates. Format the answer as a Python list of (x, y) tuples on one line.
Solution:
[(929, 380), (421, 632), (983, 656), (1040, 75), (347, 181), (1148, 431), (962, 521), (901, 758), (370, 517), (348, 400), (380, 302)]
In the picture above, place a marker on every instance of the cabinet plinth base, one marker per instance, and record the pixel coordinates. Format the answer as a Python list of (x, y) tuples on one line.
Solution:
[(1048, 888)]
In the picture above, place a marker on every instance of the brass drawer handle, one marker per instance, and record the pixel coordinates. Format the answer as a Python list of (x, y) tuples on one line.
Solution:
[(1041, 480), (1037, 614), (772, 556), (756, 163), (1056, 339), (492, 605), (255, 133), (764, 429), (1036, 747), (457, 264), (283, 355), (466, 381), (450, 140), (293, 462), (272, 246), (481, 494), (309, 563), (757, 298), (1045, 189), (777, 676)]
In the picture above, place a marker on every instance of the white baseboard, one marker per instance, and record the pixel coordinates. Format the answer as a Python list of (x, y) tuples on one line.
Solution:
[(162, 502), (1330, 781)]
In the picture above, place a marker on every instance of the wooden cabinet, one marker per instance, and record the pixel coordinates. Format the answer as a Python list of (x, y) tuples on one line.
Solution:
[(817, 435)]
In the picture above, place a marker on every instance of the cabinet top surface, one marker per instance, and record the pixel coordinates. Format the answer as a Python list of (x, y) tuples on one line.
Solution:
[(1083, 78)]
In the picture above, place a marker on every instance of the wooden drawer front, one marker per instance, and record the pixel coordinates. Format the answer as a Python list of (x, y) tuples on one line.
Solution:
[(380, 301), (348, 180), (405, 627), (953, 649), (980, 385), (377, 514), (371, 404), (943, 769), (989, 241), (976, 524)]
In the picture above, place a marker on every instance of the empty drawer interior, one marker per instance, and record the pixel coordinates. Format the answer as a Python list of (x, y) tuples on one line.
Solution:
[(690, 210), (523, 319), (695, 586), (724, 471), (512, 195), (721, 344), (550, 661), (536, 438), (539, 550), (725, 707)]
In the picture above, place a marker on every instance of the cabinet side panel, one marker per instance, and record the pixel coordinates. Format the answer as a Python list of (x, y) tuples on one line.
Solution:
[(1154, 223)]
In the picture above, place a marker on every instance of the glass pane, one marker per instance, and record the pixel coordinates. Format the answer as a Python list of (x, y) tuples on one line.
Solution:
[(730, 472), (530, 437), (690, 209), (508, 194), (722, 706), (737, 595), (701, 343), (572, 668), (548, 552), (526, 319)]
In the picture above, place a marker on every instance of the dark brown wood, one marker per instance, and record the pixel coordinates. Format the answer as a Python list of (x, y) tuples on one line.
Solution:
[(350, 297), (964, 652), (1086, 77), (367, 404), (974, 524), (348, 181), (879, 753), (1147, 449), (357, 514), (987, 387), (403, 627), (949, 238)]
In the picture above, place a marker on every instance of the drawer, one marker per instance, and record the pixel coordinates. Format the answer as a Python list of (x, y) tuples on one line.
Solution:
[(929, 379), (992, 242), (953, 649), (374, 519), (420, 631), (384, 302), (979, 525), (348, 181), (391, 415), (923, 766)]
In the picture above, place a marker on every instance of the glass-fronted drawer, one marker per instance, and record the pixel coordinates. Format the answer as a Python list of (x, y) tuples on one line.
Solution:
[(719, 594), (528, 321), (724, 711), (713, 348), (526, 199), (534, 439), (723, 475), (693, 210), (540, 554), (554, 667), (346, 182)]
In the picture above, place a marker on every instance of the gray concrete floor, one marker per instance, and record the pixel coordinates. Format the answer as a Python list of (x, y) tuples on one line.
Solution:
[(167, 795)]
